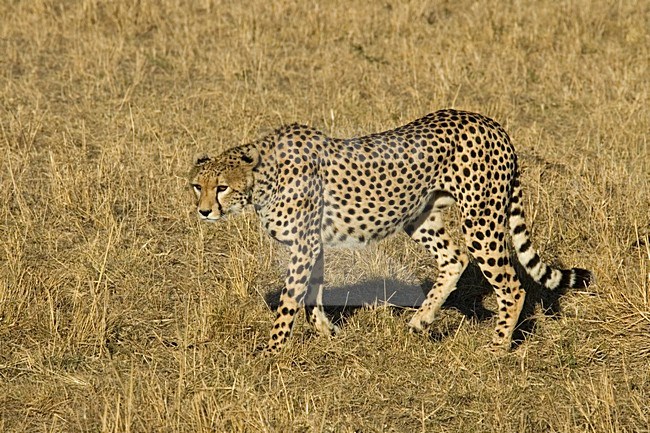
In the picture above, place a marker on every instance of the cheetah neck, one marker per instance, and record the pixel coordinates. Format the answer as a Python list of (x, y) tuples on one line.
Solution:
[(264, 175)]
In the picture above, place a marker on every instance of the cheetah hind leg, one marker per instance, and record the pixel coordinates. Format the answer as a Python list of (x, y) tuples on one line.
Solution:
[(491, 254), (451, 264), (316, 317)]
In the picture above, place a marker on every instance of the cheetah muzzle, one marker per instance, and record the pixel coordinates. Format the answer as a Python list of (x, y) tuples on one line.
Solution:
[(312, 191)]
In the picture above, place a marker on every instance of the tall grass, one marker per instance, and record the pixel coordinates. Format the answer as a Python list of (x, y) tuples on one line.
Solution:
[(120, 312)]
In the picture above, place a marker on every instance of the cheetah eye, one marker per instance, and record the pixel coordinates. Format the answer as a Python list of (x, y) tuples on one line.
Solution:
[(196, 187), (221, 188)]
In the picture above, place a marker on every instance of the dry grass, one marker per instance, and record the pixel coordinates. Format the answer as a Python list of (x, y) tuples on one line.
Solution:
[(119, 312)]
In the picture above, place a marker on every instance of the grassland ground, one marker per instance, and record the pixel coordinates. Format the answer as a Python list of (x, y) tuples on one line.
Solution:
[(119, 312)]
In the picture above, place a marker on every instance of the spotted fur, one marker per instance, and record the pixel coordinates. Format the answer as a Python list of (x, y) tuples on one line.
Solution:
[(312, 191)]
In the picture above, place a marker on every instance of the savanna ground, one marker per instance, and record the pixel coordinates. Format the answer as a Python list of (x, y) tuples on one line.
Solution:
[(120, 312)]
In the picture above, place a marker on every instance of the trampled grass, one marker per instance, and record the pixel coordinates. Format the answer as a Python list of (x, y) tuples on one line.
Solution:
[(120, 312)]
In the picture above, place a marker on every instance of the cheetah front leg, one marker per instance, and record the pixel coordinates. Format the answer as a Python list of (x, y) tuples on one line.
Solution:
[(306, 255), (314, 301)]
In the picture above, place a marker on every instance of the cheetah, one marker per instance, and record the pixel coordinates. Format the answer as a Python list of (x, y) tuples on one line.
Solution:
[(312, 191)]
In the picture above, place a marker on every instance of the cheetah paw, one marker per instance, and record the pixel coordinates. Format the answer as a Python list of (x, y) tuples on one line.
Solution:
[(417, 326), (497, 348)]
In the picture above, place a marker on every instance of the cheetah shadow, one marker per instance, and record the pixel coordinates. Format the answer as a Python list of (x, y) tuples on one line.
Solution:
[(341, 303)]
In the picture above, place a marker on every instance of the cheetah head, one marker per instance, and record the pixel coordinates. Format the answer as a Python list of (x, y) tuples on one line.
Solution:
[(223, 184)]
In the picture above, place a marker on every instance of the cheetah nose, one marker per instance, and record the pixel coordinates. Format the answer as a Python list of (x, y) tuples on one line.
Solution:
[(205, 213)]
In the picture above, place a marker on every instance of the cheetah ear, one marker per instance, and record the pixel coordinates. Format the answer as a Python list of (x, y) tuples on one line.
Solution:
[(250, 155), (201, 159)]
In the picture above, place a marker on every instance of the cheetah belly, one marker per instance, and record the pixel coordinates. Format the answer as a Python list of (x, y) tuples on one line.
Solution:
[(365, 221)]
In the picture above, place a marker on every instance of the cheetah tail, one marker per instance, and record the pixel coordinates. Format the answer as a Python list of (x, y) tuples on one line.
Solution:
[(541, 272)]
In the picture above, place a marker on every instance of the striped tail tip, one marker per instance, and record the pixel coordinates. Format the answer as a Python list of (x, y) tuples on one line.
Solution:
[(577, 278), (583, 278)]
